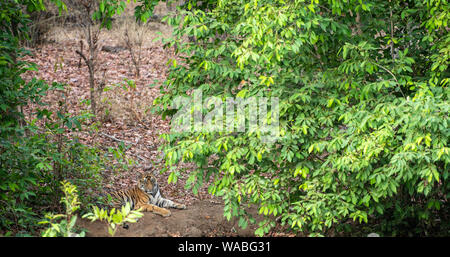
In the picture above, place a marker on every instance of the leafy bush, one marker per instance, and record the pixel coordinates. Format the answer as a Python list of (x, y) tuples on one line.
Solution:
[(36, 153), (66, 226), (34, 161), (115, 218), (363, 111)]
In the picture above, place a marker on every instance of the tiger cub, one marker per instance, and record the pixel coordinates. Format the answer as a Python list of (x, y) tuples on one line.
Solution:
[(146, 195)]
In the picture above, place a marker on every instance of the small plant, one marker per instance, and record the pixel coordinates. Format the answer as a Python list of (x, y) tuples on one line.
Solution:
[(121, 101), (134, 39), (114, 218), (67, 221)]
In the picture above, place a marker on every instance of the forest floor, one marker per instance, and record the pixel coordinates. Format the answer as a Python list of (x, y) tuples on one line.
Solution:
[(125, 116), (200, 219)]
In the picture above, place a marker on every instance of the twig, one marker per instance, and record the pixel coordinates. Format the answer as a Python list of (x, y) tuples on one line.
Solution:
[(388, 71), (139, 157), (392, 31), (395, 78), (116, 139), (81, 50), (82, 56), (102, 84)]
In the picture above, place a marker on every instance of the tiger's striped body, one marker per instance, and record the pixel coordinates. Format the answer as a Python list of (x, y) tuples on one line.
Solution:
[(147, 197)]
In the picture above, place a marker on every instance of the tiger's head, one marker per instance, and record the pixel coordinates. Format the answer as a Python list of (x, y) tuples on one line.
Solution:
[(148, 183)]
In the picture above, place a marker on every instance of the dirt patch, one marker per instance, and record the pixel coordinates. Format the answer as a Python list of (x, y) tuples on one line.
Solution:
[(201, 219)]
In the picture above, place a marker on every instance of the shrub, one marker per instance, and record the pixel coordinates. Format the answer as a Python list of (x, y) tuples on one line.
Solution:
[(115, 218), (38, 152), (363, 111), (66, 226)]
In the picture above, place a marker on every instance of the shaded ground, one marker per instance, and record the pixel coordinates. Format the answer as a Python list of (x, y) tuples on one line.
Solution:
[(202, 218)]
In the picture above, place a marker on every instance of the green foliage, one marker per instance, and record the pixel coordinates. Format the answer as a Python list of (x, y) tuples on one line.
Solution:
[(36, 158), (115, 218), (109, 8), (36, 152), (364, 103), (66, 226)]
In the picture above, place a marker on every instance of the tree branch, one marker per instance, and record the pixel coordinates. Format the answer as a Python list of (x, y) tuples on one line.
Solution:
[(82, 56)]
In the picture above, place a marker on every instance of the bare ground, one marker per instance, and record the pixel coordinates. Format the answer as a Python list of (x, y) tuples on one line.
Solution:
[(201, 219)]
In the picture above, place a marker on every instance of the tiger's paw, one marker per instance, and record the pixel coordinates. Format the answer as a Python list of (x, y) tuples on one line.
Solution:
[(182, 207), (166, 214)]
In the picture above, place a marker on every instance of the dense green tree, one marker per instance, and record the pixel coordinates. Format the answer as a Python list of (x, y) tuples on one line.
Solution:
[(363, 99)]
